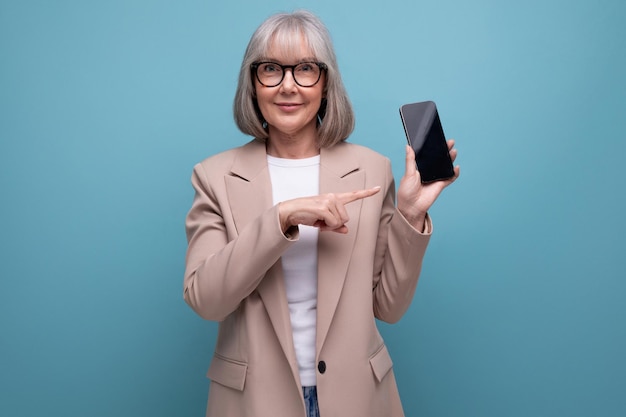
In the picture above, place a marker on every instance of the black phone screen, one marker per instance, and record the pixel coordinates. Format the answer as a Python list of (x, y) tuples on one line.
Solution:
[(424, 133)]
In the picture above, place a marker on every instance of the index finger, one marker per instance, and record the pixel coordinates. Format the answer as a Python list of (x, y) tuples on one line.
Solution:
[(351, 196)]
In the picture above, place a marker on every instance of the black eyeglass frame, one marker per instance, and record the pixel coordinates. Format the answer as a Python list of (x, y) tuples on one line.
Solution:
[(255, 66)]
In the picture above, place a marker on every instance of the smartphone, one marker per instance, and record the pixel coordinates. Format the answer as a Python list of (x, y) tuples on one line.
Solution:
[(425, 135)]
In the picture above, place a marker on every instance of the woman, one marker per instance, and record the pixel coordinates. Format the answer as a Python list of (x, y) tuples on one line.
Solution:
[(295, 244)]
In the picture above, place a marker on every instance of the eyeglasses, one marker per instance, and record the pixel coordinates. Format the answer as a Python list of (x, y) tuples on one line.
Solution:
[(305, 74)]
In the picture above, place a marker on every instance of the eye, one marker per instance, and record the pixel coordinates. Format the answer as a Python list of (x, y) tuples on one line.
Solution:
[(306, 67), (269, 67)]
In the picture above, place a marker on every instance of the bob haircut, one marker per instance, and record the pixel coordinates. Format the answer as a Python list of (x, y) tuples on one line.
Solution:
[(285, 30)]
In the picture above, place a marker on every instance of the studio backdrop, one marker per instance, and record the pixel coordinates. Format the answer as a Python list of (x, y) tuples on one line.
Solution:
[(105, 106)]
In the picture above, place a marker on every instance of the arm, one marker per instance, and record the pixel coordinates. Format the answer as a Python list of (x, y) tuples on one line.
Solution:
[(220, 272), (400, 249), (403, 238)]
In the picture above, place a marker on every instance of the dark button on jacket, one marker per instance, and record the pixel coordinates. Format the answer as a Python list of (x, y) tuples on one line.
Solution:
[(321, 366)]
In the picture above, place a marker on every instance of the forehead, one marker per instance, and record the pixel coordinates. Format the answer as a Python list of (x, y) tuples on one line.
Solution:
[(289, 47)]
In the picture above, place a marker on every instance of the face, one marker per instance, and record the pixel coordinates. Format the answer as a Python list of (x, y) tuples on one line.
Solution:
[(288, 108)]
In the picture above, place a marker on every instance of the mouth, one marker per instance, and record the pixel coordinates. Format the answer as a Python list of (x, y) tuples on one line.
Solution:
[(288, 106)]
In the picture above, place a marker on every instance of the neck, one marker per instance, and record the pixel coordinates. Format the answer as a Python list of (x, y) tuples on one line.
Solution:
[(290, 147)]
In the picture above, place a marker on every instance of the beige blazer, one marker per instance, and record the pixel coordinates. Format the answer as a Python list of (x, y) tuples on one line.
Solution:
[(233, 275)]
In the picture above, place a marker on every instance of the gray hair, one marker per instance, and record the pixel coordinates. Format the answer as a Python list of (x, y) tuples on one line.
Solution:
[(338, 120)]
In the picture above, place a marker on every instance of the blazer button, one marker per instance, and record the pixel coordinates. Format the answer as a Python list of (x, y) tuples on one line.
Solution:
[(321, 366)]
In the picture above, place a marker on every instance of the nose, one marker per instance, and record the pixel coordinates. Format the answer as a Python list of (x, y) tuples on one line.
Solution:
[(289, 82)]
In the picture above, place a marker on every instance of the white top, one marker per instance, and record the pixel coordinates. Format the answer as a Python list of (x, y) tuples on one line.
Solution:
[(293, 178)]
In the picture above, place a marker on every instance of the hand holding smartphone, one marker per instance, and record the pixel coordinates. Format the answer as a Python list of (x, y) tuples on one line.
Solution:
[(424, 133)]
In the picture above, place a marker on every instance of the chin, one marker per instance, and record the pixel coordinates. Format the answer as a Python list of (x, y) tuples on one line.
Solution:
[(291, 129)]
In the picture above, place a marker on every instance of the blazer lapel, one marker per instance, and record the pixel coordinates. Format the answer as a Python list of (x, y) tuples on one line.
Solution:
[(250, 194), (248, 184), (339, 172)]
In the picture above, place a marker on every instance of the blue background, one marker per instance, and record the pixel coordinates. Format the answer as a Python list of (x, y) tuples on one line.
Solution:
[(106, 106)]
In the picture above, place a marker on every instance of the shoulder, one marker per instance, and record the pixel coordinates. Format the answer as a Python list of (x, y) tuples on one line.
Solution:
[(226, 162), (358, 150), (224, 157), (363, 156)]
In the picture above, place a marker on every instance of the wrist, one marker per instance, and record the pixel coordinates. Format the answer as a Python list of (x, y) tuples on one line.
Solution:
[(283, 217), (416, 220), (286, 226)]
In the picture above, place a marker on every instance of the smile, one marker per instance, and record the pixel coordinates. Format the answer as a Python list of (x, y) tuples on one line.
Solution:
[(288, 106)]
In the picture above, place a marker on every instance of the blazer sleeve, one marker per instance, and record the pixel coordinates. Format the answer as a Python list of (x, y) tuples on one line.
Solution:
[(221, 269), (400, 250)]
